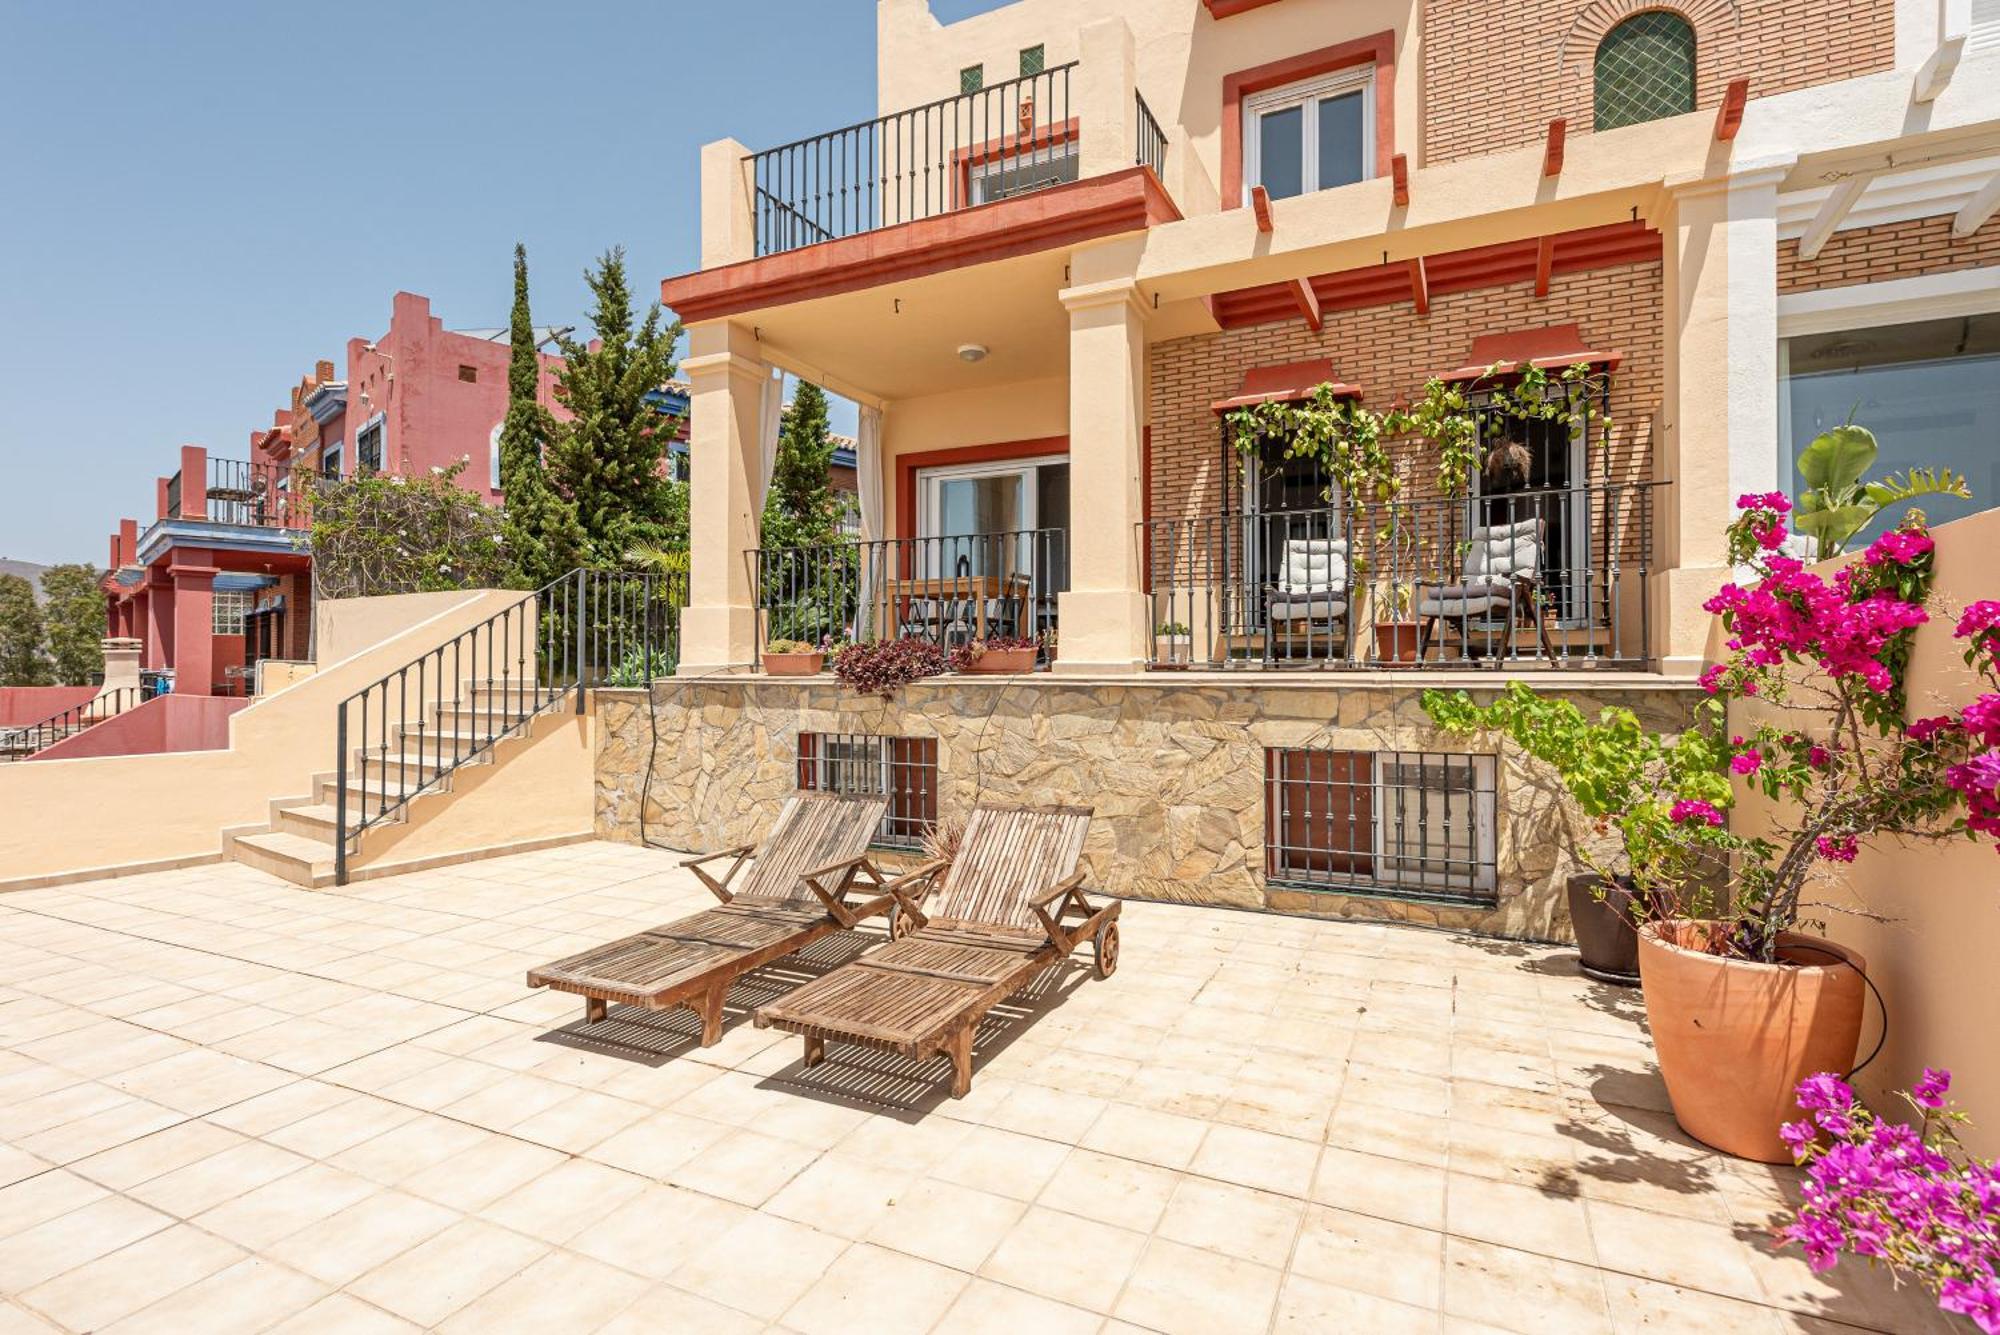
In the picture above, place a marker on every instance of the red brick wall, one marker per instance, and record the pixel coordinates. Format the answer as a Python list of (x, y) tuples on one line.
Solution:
[(1389, 351), (1893, 250), (1497, 71)]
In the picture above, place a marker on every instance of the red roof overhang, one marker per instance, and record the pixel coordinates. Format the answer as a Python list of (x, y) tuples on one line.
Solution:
[(1062, 215), (1445, 272), (1285, 384), (1555, 347)]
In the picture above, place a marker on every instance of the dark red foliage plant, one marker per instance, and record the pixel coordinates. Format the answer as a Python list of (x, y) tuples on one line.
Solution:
[(887, 666)]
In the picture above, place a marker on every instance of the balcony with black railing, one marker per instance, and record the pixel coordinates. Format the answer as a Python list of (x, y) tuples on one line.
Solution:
[(949, 591), (1555, 578), (248, 493), (979, 147)]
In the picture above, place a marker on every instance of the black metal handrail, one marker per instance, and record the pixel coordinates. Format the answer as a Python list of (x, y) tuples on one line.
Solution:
[(947, 590), (404, 733), (1558, 575), (1152, 145), (18, 743), (974, 148)]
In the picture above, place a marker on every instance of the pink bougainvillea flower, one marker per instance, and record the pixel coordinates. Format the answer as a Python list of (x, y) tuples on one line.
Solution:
[(1837, 847), (1818, 756), (1978, 618), (1929, 729), (1769, 500), (1685, 812), (1747, 762), (1899, 547), (1929, 1092)]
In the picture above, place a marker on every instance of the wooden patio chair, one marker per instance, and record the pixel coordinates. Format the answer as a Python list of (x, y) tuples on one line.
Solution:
[(795, 893), (1010, 906)]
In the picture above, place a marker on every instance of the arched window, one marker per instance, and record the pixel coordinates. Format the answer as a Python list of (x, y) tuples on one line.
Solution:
[(1645, 69)]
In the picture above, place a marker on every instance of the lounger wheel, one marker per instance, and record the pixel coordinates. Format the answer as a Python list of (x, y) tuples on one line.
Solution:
[(1106, 962), (901, 924)]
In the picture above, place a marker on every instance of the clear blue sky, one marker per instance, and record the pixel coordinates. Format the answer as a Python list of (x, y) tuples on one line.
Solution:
[(199, 200)]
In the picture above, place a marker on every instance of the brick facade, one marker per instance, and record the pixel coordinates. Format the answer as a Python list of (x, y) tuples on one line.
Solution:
[(1497, 71), (1908, 249), (1389, 351)]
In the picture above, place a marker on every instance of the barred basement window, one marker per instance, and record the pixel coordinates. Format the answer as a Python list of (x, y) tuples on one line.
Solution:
[(1416, 824), (1645, 69), (227, 610), (902, 768)]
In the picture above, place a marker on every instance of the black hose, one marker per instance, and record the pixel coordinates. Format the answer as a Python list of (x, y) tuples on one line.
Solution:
[(1881, 1039)]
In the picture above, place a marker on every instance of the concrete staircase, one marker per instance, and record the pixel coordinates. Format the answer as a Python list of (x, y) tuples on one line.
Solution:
[(409, 777)]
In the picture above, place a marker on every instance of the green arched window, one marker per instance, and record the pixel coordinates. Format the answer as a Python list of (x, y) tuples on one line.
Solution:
[(1645, 69)]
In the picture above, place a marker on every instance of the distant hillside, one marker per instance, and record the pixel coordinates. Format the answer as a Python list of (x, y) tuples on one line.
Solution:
[(27, 570)]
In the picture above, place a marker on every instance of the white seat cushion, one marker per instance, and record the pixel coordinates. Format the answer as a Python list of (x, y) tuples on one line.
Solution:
[(1314, 566)]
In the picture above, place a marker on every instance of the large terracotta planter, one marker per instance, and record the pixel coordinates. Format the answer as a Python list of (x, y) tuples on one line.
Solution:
[(1003, 660), (1734, 1037), (1607, 942), (1396, 641), (805, 663)]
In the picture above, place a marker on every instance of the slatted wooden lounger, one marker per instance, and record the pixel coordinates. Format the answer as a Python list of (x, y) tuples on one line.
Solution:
[(1010, 906), (796, 892)]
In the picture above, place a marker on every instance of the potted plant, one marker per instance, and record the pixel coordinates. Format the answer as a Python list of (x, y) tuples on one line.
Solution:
[(995, 653), (1656, 797), (885, 666), (1745, 1005), (1396, 631), (793, 658), (1173, 645)]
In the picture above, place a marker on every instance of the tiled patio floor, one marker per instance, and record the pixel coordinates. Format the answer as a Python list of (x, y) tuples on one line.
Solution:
[(227, 1104)]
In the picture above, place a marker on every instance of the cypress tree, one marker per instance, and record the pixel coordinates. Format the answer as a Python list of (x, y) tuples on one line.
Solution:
[(541, 531)]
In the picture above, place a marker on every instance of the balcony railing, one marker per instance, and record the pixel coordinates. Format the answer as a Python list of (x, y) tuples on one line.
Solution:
[(1555, 577), (948, 590), (248, 492), (1152, 146), (1009, 139)]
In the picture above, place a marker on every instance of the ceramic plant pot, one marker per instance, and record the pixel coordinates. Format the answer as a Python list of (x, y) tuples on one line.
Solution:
[(1004, 660), (804, 663), (1734, 1037), (1396, 641), (1606, 938)]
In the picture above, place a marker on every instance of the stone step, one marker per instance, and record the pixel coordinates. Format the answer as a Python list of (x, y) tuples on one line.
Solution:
[(290, 857), (312, 820)]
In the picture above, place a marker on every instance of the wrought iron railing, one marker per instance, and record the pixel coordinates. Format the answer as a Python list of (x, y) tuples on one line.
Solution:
[(252, 493), (1557, 576), (974, 148), (1152, 146), (947, 590), (405, 733), (18, 743)]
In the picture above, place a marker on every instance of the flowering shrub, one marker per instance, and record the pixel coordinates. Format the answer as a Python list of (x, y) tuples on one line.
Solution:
[(886, 666), (1836, 649), (1908, 1197)]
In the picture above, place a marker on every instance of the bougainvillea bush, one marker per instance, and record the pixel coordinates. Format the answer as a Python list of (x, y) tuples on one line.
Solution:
[(1829, 655), (1908, 1197)]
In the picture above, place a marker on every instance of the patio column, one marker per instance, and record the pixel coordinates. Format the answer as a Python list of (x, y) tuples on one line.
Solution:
[(1103, 616), (194, 629), (1719, 434), (727, 378)]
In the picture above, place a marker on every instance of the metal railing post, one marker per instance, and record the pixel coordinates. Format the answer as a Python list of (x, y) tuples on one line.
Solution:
[(340, 798), (581, 625)]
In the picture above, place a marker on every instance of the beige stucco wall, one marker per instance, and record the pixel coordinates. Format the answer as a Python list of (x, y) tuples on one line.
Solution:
[(1932, 950), (1181, 57), (344, 627), (536, 787), (64, 817), (1172, 763)]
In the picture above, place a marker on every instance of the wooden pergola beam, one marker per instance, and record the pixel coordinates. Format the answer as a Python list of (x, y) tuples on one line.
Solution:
[(1308, 300), (1729, 116), (1260, 205), (1972, 216), (1833, 211), (1545, 263), (1399, 177)]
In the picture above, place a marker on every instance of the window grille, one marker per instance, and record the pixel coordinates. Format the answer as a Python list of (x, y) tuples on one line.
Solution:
[(368, 448), (972, 78), (1410, 824), (1032, 60), (902, 768), (1645, 70)]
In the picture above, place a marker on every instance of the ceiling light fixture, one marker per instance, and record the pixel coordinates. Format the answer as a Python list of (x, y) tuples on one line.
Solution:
[(972, 352)]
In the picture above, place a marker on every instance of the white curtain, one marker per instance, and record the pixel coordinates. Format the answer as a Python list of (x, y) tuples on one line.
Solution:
[(769, 416), (868, 489)]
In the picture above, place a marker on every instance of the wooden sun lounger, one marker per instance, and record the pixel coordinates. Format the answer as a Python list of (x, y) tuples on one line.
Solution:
[(796, 892), (1010, 906)]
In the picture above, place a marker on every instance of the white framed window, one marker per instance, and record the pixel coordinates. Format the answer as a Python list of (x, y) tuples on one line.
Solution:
[(368, 446), (1434, 821), (329, 460), (1021, 173), (1312, 135)]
